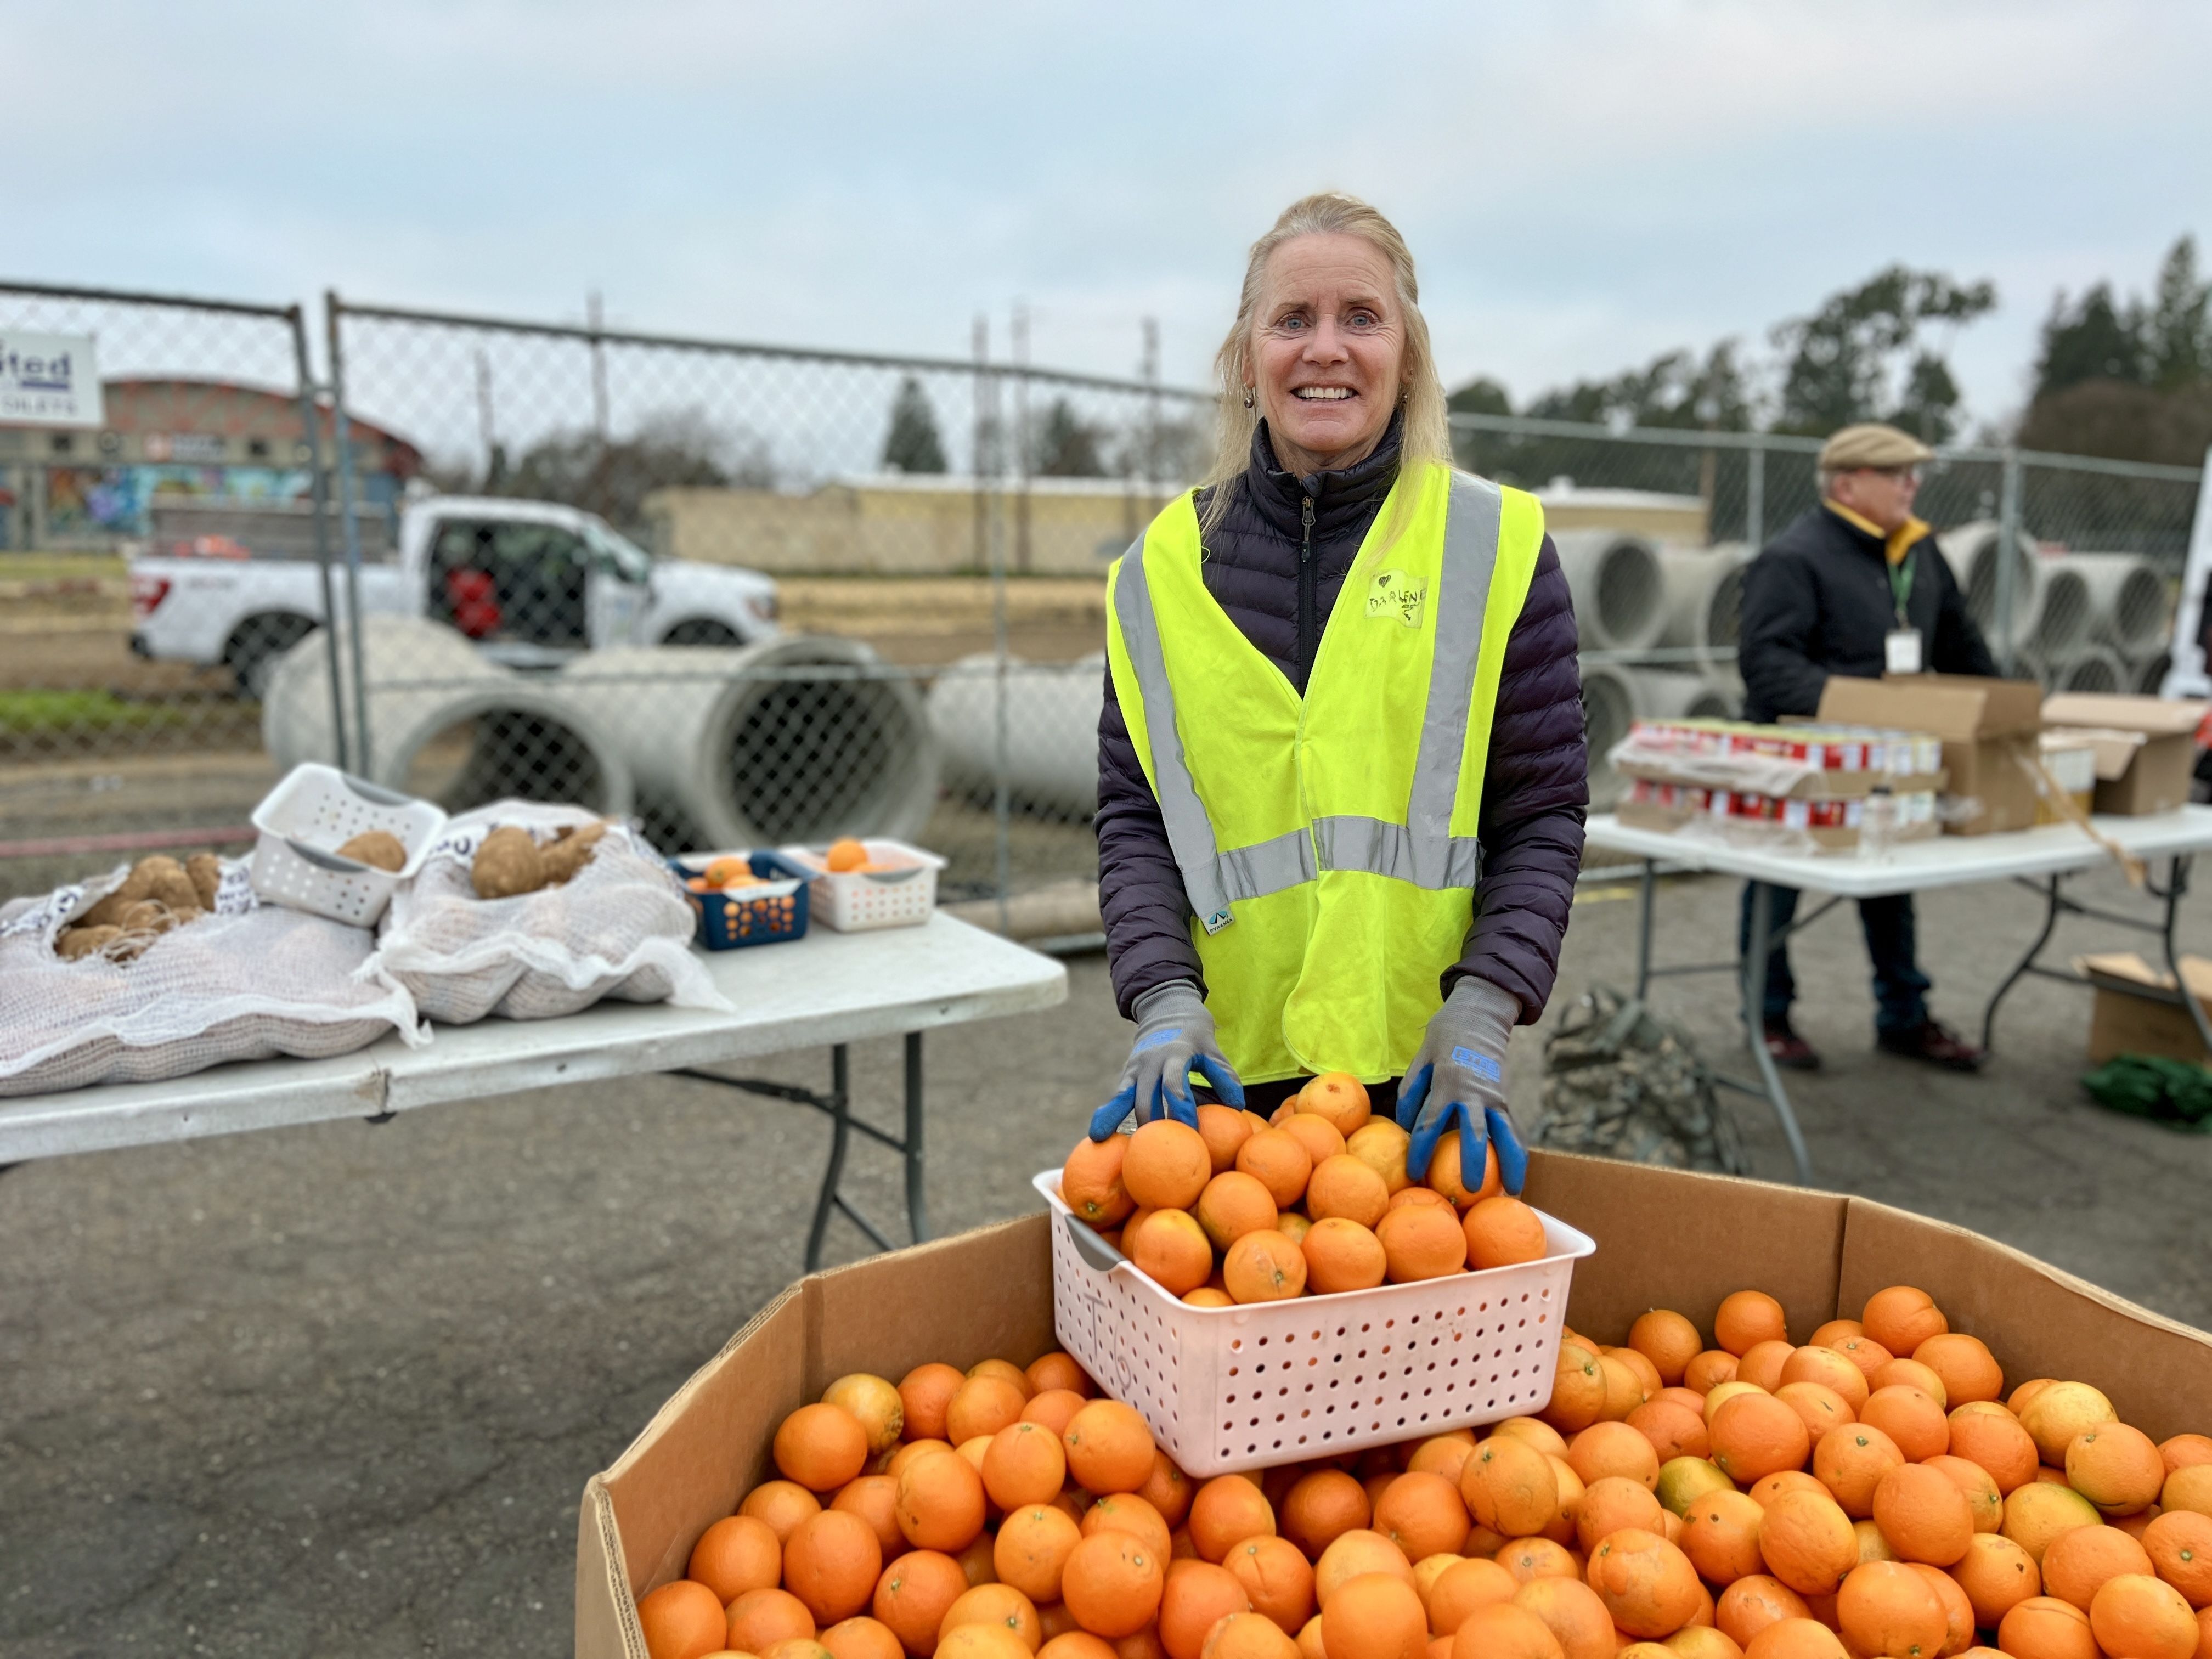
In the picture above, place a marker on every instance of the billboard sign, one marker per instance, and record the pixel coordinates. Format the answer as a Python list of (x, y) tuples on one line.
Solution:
[(48, 380)]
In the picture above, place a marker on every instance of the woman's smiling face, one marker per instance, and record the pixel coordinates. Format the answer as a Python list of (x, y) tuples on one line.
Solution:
[(1328, 346)]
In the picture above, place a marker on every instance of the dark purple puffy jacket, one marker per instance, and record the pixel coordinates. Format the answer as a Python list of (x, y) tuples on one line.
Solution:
[(1535, 791)]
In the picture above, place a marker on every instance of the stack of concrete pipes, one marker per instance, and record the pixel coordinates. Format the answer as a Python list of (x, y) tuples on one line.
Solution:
[(2080, 622)]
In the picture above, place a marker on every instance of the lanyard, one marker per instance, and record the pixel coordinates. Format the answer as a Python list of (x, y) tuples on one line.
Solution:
[(1900, 585)]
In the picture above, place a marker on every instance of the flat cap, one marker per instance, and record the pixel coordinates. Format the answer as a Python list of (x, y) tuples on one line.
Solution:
[(1872, 444)]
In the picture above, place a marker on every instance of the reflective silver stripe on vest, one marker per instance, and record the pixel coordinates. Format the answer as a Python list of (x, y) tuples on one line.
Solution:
[(1190, 834), (1471, 527), (1388, 849), (1269, 867)]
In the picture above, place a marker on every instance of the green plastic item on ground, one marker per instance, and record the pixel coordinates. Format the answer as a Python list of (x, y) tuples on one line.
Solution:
[(2173, 1091)]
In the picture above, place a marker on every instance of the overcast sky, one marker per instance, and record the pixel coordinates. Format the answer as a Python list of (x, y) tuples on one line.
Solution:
[(1584, 184)]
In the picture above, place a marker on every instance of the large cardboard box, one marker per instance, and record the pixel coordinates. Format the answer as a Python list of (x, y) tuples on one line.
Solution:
[(1666, 1238), (1988, 728), (2124, 1021), (2145, 747)]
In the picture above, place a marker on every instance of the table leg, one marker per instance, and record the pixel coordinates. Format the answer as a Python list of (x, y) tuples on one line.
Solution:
[(917, 1201), (1755, 1027), (2027, 962), (1643, 927), (2176, 883), (840, 1135)]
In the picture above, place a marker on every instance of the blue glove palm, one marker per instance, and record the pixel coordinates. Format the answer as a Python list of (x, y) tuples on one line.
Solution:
[(1457, 1081), (1174, 1037)]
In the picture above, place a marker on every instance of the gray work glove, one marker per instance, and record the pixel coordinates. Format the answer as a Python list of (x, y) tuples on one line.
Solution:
[(1175, 1035), (1457, 1080)]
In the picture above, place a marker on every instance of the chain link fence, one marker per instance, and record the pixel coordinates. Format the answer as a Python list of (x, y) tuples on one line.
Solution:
[(760, 595)]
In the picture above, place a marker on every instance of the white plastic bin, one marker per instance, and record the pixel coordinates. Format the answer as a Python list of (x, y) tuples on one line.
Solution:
[(317, 809), (854, 901), (1244, 1388)]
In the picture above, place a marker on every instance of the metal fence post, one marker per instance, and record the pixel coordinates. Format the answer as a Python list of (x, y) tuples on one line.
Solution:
[(311, 427), (1754, 495), (1001, 790), (362, 754), (2007, 537)]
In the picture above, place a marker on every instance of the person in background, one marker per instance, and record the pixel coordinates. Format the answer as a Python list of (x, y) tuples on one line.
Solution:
[(1341, 770), (1856, 585)]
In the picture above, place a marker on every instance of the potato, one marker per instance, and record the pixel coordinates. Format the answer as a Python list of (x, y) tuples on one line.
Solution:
[(146, 916), (572, 852), (507, 864), (205, 870), (162, 879), (377, 848), (73, 943), (105, 913)]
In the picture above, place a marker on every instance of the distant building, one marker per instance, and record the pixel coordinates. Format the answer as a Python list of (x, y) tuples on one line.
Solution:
[(210, 440)]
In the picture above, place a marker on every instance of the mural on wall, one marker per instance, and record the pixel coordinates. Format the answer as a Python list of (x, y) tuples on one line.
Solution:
[(84, 501)]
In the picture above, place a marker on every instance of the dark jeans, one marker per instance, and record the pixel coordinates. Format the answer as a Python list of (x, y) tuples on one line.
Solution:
[(1899, 987)]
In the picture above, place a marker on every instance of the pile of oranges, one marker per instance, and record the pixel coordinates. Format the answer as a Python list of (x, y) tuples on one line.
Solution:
[(1314, 1202), (1873, 1493)]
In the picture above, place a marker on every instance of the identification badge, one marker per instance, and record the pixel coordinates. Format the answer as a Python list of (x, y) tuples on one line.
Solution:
[(1397, 596), (1901, 650)]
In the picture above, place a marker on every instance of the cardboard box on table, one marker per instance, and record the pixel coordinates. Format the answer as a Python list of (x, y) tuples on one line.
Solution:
[(2145, 747), (2124, 1021), (1987, 727), (1666, 1238)]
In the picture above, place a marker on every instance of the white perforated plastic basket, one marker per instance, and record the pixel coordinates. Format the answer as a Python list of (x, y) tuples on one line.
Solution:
[(1242, 1387), (315, 810), (854, 901)]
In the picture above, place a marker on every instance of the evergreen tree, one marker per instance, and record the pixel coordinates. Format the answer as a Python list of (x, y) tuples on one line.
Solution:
[(2178, 328), (1065, 447), (913, 445), (2097, 340), (1844, 357)]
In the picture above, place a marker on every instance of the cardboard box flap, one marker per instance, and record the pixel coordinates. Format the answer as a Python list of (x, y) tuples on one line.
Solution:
[(1956, 708), (2152, 717), (2115, 750), (2120, 968)]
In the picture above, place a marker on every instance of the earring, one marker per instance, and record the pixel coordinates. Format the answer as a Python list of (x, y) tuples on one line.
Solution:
[(1248, 397), (1407, 396)]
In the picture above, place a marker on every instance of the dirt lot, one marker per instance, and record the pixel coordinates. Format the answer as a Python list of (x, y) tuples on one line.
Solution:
[(336, 1390)]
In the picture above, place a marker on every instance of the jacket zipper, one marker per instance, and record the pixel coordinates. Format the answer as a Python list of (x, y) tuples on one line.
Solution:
[(1307, 596)]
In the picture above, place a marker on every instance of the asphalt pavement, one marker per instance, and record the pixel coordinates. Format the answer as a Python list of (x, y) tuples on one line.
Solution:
[(337, 1390)]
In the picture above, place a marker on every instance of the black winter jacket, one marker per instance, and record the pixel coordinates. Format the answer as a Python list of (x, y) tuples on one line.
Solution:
[(1817, 602), (1534, 792)]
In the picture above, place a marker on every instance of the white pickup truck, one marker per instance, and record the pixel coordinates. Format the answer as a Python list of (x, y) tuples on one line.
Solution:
[(532, 583)]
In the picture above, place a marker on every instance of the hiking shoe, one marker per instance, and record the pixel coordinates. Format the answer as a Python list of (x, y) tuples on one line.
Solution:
[(1934, 1042), (1789, 1050)]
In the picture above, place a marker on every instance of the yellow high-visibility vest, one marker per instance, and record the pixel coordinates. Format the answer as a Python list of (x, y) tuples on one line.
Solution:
[(1327, 843)]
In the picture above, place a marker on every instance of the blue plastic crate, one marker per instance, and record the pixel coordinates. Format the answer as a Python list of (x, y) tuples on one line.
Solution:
[(749, 915)]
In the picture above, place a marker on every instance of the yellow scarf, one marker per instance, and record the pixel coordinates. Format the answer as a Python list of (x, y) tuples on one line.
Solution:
[(1897, 544)]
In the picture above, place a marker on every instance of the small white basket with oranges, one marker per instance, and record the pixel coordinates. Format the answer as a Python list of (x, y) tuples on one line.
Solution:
[(1264, 1292), (862, 883)]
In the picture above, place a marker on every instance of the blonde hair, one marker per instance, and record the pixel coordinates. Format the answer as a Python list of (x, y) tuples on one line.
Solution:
[(1427, 432)]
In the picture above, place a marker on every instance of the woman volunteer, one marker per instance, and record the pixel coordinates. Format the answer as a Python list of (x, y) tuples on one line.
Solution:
[(1342, 775)]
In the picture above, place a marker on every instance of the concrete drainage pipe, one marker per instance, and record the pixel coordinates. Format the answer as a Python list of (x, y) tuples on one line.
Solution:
[(1052, 730)]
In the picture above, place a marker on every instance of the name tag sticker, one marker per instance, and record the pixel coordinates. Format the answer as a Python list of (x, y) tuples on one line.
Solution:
[(1397, 596), (1901, 650)]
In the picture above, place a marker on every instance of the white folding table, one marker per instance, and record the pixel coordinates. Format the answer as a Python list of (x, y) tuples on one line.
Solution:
[(827, 988), (2041, 859)]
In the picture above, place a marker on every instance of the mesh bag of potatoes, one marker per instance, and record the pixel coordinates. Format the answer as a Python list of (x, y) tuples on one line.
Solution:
[(166, 967), (534, 911)]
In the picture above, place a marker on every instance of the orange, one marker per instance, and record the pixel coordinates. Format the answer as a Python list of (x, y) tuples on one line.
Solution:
[(1755, 1435), (2077, 1563), (1575, 1614), (997, 1605), (1795, 1639), (1127, 1512), (1748, 1317), (1765, 1491), (1700, 1642), (1869, 1355), (736, 1555), (1647, 1381), (1356, 1555), (1509, 1486), (1280, 1161), (1422, 1242), (2179, 1545), (1612, 1503), (1445, 1176), (821, 1447), (1669, 1340), (1902, 1317), (2038, 1512), (760, 1619), (1316, 1134), (1382, 1147), (941, 1503), (1577, 1389), (1277, 1579), (845, 854), (1819, 1407), (1997, 1575), (831, 1564), (1983, 1498), (2188, 1487), (1233, 1205), (1923, 1515), (1112, 1583), (874, 1402), (1406, 1196), (1912, 1374), (978, 1641), (862, 1637), (1340, 1099), (1605, 1449), (681, 1620), (1501, 1630), (1462, 1587), (984, 1405), (1248, 1636), (1167, 1489), (779, 1505), (1091, 1185), (1911, 1419), (912, 1451), (1173, 1250), (1713, 1365), (1207, 1296), (2182, 1451), (924, 1393), (1885, 1608), (1720, 1535), (1376, 1615), (1109, 1450), (1761, 1364), (1970, 1372), (1292, 1224), (1674, 1429), (1196, 1596), (1264, 1266), (1077, 1643), (1835, 1331), (913, 1594), (2136, 1616), (1502, 1231), (1443, 1454), (1058, 1369), (975, 1563), (1806, 1542), (1750, 1604), (1344, 1186), (1321, 1507), (1167, 1165), (1538, 1433), (1995, 1440), (1343, 1256), (1031, 1549), (874, 1499), (2116, 1467), (1423, 1515), (2044, 1627), (1647, 1584), (1225, 1512), (1025, 1464), (1851, 1462), (1829, 1368), (1224, 1129), (1052, 1409)]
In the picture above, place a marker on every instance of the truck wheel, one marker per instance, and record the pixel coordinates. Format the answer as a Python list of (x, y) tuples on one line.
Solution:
[(255, 648), (701, 631)]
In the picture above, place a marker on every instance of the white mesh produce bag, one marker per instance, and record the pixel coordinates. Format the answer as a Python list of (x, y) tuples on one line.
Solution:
[(619, 928), (248, 981)]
